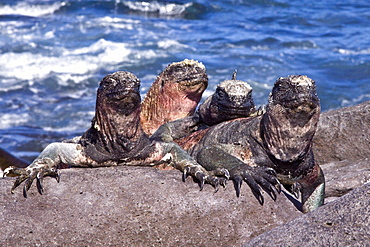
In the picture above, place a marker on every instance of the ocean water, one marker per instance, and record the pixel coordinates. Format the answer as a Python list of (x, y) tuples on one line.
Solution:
[(54, 53)]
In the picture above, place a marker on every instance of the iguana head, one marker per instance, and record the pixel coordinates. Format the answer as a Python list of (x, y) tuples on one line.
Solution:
[(294, 93), (188, 77), (118, 92), (291, 117), (174, 95), (232, 99), (115, 130)]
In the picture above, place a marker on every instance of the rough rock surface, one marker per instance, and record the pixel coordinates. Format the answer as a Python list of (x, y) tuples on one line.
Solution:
[(342, 148), (343, 134), (344, 222), (141, 206), (134, 206), (343, 176)]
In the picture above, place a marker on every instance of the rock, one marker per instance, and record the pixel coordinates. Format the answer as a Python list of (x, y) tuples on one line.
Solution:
[(342, 148), (344, 222), (344, 176), (343, 134), (134, 206), (143, 206)]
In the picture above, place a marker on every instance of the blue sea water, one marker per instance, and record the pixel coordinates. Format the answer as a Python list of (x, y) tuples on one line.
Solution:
[(54, 53)]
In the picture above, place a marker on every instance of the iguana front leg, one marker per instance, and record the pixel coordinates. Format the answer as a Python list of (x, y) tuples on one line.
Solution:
[(52, 158), (213, 157), (182, 161)]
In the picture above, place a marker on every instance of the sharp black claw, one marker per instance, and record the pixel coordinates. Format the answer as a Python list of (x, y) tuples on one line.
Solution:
[(237, 184), (201, 179), (185, 174), (24, 191), (57, 177), (260, 199), (40, 188), (272, 193), (217, 185)]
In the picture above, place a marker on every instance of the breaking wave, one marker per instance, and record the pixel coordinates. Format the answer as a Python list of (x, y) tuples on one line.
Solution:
[(169, 9), (33, 10), (30, 66)]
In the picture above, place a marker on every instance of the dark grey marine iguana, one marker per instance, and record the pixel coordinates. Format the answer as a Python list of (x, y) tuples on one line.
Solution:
[(232, 99), (280, 139), (115, 138)]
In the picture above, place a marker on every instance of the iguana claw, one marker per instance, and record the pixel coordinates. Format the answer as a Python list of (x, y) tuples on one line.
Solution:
[(28, 175), (261, 177), (215, 178)]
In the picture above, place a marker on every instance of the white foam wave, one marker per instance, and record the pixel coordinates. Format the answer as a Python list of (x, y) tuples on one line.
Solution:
[(29, 66), (352, 52), (33, 10), (114, 22), (11, 119), (156, 7), (169, 43), (354, 101)]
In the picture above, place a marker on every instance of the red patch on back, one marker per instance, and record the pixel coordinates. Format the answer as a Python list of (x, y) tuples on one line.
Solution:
[(191, 140)]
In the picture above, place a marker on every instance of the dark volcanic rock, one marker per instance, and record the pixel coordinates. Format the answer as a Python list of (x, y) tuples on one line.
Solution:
[(134, 206), (344, 222)]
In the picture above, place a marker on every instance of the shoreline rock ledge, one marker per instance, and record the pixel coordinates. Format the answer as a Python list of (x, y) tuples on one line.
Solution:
[(143, 206), (134, 206), (344, 222)]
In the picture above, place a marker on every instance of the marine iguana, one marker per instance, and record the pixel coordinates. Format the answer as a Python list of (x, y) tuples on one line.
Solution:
[(175, 94), (232, 99), (114, 138), (179, 88), (280, 139)]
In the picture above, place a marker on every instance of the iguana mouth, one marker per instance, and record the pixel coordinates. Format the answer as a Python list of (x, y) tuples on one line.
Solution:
[(128, 92), (188, 73), (239, 110), (192, 81), (306, 99)]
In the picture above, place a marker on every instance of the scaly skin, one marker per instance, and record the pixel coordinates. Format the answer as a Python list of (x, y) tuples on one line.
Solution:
[(280, 139), (115, 138), (232, 99), (175, 94)]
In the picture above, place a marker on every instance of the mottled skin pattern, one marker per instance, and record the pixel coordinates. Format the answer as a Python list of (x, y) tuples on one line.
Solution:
[(280, 139), (175, 94), (115, 138), (232, 99)]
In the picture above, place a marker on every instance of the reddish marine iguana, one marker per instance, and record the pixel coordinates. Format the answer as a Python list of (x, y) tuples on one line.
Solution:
[(175, 94)]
